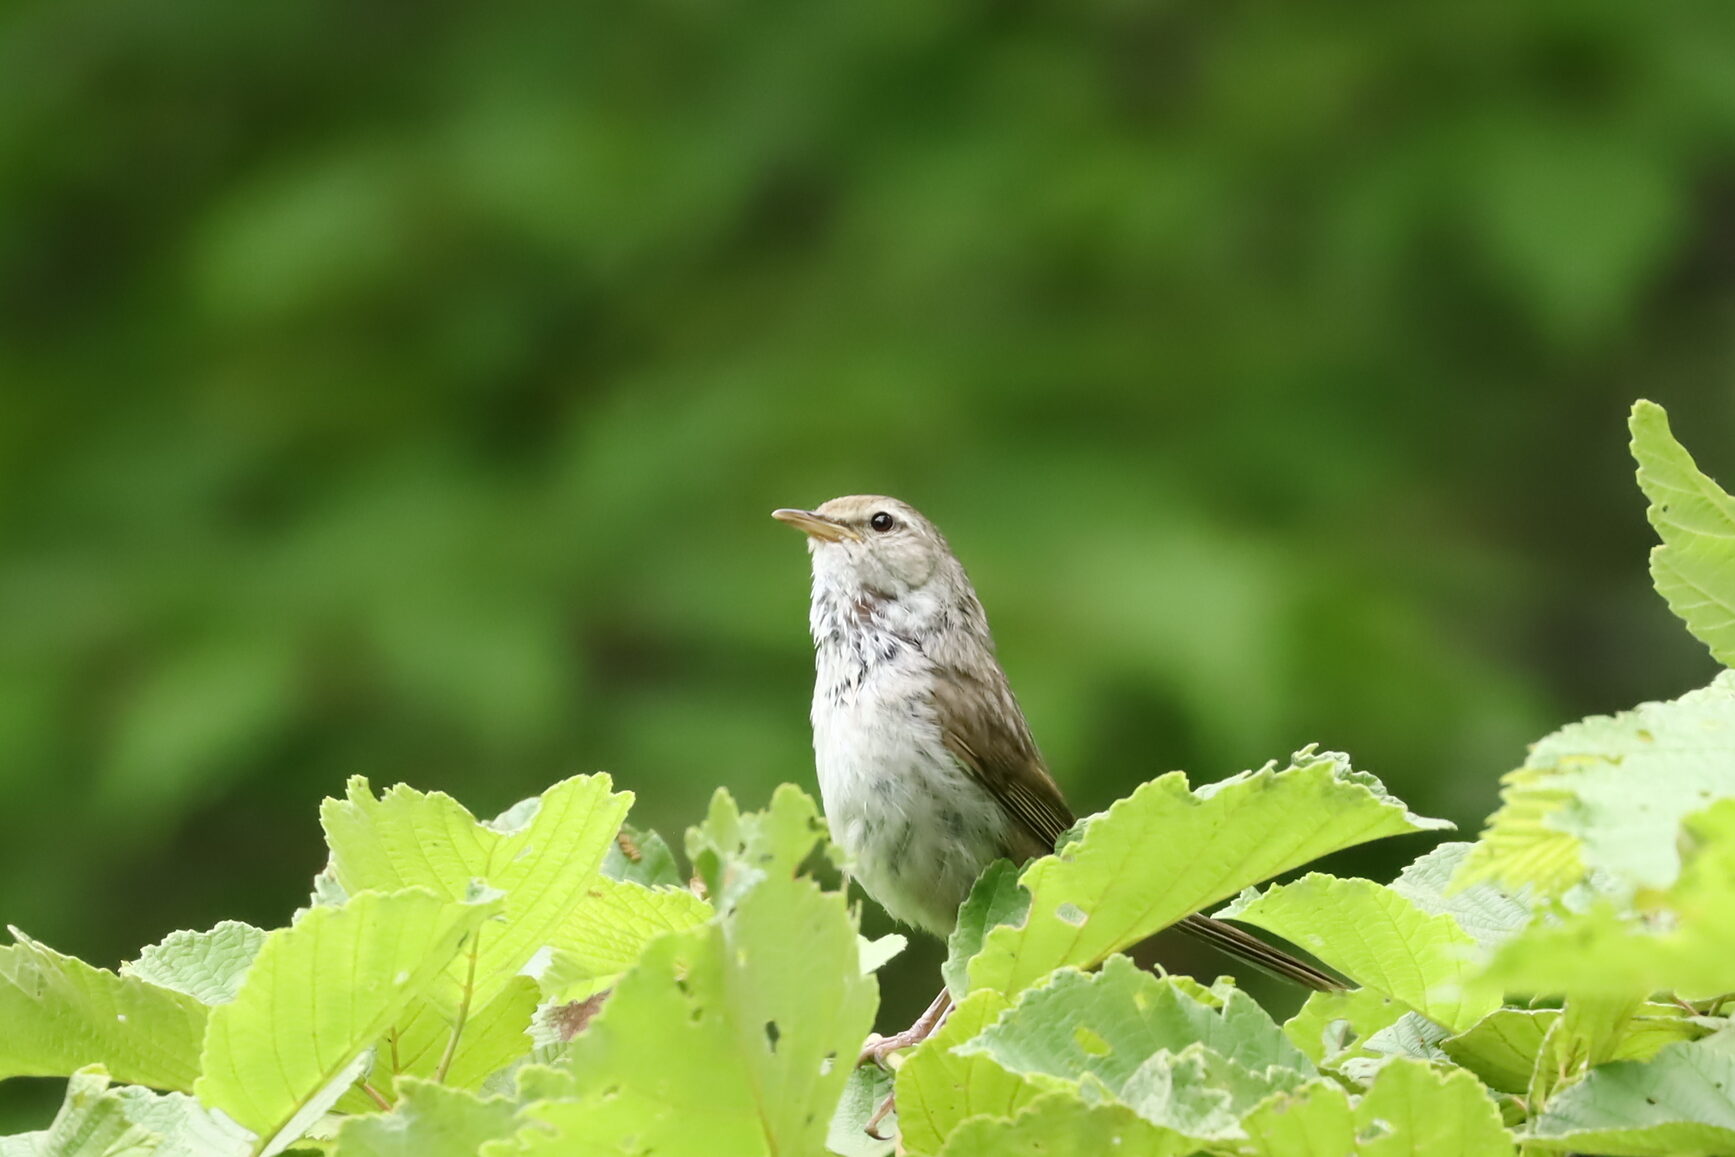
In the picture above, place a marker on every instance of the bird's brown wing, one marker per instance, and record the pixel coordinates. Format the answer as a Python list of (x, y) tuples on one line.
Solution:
[(985, 731)]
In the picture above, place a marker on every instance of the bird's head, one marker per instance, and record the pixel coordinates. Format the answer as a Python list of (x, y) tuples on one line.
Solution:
[(873, 544)]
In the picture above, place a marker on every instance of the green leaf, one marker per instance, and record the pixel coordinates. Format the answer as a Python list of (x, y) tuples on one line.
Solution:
[(1586, 1033), (1126, 1014), (207, 966), (640, 856), (1060, 1125), (734, 1037), (1679, 940), (31, 1144), (90, 1123), (1199, 1094), (1490, 914), (938, 1089), (1658, 1024), (1605, 953), (608, 929), (99, 1120), (1182, 1063), (61, 1014), (494, 1035), (1694, 568), (1412, 941), (732, 851), (429, 1120), (1414, 1110), (876, 953), (867, 1088), (1329, 1023), (996, 898), (318, 995), (1590, 1030), (543, 854), (1502, 1048), (1677, 1102), (186, 1128), (1166, 852), (1411, 1035), (1314, 1120), (1608, 795), (1381, 939)]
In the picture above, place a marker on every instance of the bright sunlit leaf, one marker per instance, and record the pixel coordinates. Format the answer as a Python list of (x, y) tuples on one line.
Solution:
[(319, 994), (736, 1037), (1608, 794), (1060, 1124), (938, 1088), (1415, 1110), (58, 1014), (1681, 939), (1379, 938), (207, 966), (1694, 568), (1193, 1067), (1167, 851), (429, 1120)]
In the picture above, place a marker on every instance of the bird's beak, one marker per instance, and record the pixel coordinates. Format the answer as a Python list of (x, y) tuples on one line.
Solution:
[(815, 525)]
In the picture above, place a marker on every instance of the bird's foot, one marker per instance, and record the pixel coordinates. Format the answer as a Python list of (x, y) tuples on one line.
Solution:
[(878, 1050)]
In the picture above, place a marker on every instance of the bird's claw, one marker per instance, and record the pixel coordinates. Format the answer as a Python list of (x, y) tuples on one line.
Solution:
[(877, 1050), (872, 1128)]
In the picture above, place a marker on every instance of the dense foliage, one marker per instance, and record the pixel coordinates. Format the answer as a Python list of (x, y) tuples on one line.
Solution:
[(547, 981)]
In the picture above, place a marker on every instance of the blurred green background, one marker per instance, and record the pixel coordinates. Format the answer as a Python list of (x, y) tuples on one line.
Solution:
[(402, 390)]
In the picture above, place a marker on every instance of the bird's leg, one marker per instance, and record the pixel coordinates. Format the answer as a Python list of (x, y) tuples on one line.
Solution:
[(878, 1047)]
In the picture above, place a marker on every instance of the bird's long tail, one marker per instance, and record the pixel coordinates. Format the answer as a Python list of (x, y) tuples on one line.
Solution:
[(1256, 952)]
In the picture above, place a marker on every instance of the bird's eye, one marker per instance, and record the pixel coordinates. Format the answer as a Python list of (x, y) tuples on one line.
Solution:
[(882, 522)]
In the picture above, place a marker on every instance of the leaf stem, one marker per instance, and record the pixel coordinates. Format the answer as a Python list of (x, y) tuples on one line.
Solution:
[(378, 1097), (463, 1011)]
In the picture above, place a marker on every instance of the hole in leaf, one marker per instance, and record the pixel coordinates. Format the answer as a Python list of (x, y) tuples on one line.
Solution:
[(1072, 914), (1376, 1129), (1091, 1042), (772, 1034)]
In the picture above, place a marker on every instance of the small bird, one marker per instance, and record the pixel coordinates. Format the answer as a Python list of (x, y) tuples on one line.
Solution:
[(927, 769)]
